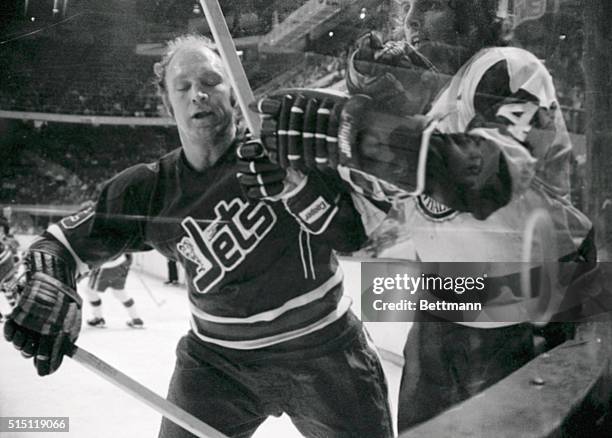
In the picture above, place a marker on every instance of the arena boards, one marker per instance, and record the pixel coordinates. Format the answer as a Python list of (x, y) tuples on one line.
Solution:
[(563, 392)]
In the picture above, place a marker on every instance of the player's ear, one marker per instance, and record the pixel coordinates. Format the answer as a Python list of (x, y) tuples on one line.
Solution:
[(159, 71)]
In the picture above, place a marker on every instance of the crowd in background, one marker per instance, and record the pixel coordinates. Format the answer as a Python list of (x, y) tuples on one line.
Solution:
[(65, 163), (77, 79)]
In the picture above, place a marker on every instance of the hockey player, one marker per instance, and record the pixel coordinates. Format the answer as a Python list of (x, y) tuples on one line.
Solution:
[(9, 261), (111, 275), (8, 239), (499, 152), (270, 329), (7, 274)]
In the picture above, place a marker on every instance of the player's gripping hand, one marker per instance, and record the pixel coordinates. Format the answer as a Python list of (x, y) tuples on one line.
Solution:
[(300, 128), (371, 67), (259, 177), (47, 319), (394, 74), (380, 63)]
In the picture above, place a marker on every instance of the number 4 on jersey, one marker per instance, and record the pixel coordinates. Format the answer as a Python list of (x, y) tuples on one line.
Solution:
[(520, 115)]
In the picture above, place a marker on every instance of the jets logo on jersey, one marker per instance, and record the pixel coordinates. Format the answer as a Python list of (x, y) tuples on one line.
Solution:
[(221, 245), (433, 209)]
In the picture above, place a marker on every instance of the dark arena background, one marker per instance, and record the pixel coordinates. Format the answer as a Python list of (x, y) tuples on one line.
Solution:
[(78, 105)]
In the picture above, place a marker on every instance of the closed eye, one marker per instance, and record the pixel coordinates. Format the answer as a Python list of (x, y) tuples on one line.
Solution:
[(212, 79)]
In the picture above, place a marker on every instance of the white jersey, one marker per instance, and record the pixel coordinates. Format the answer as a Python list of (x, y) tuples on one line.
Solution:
[(507, 96)]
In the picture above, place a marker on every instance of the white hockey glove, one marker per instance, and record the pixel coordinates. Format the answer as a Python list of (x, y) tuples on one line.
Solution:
[(47, 319)]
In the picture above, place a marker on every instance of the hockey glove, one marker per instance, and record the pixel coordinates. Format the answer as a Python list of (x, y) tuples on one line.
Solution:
[(47, 319), (383, 155), (300, 130), (377, 152), (394, 74), (261, 178)]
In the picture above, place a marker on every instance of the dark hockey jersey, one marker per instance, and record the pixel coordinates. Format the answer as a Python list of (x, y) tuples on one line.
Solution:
[(255, 278)]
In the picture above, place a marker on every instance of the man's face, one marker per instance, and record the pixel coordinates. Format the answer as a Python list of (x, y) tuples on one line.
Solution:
[(429, 21), (199, 93)]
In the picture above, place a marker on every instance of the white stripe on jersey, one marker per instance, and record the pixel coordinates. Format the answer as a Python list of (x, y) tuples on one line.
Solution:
[(310, 262), (302, 255), (343, 307), (57, 232), (272, 314), (113, 263)]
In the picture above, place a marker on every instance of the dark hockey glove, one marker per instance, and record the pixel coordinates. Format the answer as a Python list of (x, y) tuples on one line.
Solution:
[(300, 130), (377, 152), (395, 75), (259, 177), (47, 319), (383, 155)]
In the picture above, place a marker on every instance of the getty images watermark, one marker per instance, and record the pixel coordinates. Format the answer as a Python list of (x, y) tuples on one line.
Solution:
[(489, 292), (459, 292), (399, 291), (410, 284)]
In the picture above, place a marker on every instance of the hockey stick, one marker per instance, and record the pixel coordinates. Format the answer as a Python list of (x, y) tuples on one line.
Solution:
[(232, 64), (144, 394), (235, 71)]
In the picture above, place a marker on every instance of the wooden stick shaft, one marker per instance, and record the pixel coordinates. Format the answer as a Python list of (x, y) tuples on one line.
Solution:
[(145, 395), (229, 56)]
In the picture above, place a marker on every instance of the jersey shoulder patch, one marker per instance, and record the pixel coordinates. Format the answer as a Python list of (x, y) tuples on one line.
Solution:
[(80, 217)]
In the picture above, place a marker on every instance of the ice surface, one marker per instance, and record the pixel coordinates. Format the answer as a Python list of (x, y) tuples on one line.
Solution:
[(99, 410)]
